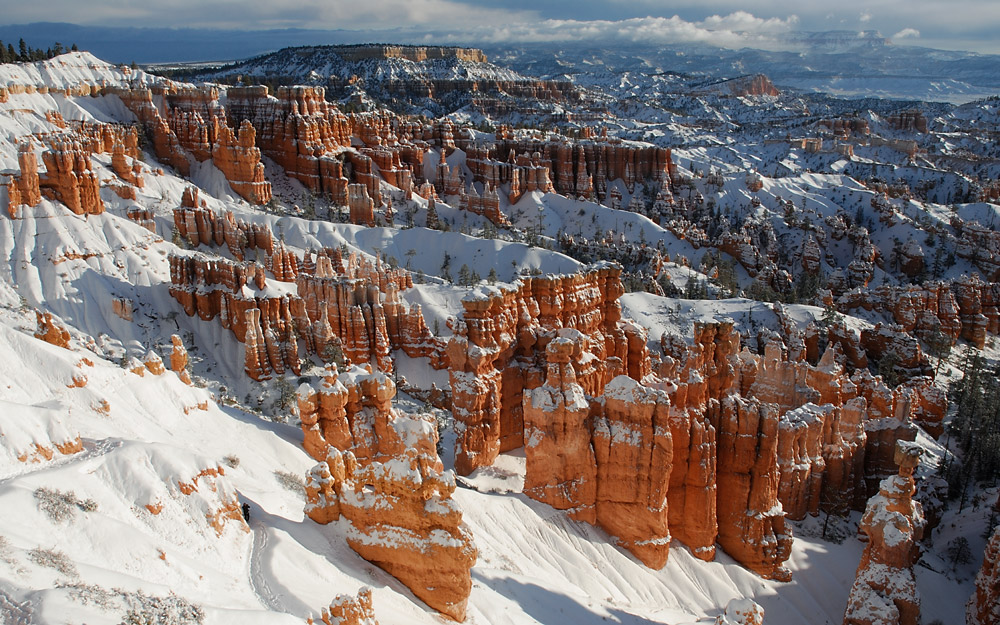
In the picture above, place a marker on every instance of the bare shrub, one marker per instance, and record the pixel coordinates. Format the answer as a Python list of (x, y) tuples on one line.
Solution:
[(291, 481), (52, 559), (60, 506)]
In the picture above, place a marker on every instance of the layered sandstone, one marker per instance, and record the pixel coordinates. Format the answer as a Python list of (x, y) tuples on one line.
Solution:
[(351, 302), (633, 448), (511, 325), (179, 359), (885, 590), (237, 156)]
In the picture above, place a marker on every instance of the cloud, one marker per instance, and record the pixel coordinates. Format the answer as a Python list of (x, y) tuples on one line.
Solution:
[(907, 32), (736, 30), (865, 17)]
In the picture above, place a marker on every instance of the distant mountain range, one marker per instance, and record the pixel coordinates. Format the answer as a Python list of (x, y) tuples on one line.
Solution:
[(845, 63)]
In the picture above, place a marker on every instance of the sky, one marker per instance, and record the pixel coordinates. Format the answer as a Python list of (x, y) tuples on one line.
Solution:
[(947, 24)]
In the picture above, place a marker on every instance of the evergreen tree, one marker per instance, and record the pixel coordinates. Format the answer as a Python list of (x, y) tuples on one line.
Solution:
[(22, 49)]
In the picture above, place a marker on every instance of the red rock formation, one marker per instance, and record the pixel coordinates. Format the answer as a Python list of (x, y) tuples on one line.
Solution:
[(122, 307), (50, 331), (300, 130), (596, 162), (561, 470), (891, 344), (239, 159), (179, 359), (751, 521), (501, 326), (392, 488), (348, 610), (29, 192), (70, 180), (255, 356), (634, 452), (362, 207), (885, 591), (984, 605), (119, 162), (801, 463), (153, 363)]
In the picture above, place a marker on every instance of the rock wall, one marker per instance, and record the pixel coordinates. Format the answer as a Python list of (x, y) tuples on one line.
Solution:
[(185, 123), (578, 169)]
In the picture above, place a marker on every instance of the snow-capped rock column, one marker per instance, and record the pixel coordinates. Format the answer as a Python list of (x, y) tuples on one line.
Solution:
[(179, 359), (561, 470), (885, 590), (800, 460)]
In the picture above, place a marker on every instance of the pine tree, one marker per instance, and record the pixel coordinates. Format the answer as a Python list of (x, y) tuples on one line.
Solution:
[(22, 51)]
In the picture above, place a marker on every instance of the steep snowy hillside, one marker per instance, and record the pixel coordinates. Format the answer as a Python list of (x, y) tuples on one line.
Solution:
[(545, 379)]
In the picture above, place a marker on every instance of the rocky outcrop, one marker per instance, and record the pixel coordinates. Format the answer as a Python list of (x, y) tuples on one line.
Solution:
[(885, 590), (349, 610), (28, 185), (51, 331), (984, 605), (353, 300), (572, 169), (741, 612), (195, 126), (179, 359), (801, 462), (890, 345), (381, 472), (153, 363), (300, 130), (497, 348)]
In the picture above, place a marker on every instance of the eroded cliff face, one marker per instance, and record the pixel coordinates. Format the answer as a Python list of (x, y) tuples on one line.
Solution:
[(381, 472), (340, 308), (187, 123), (885, 590)]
